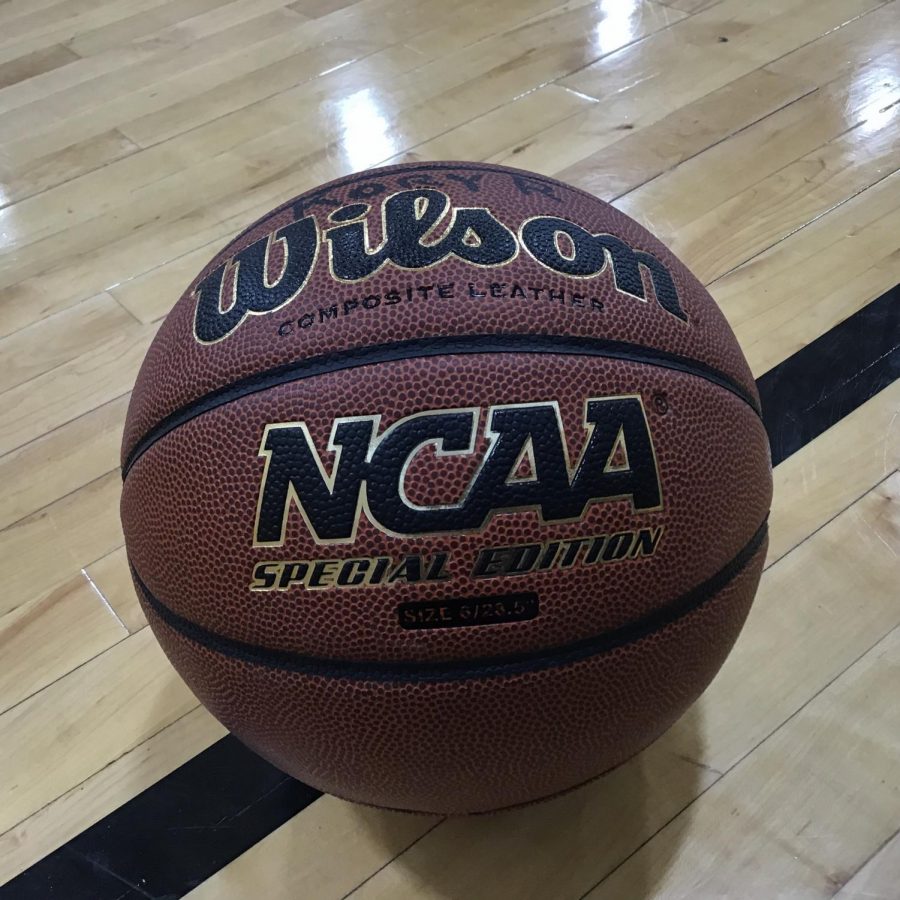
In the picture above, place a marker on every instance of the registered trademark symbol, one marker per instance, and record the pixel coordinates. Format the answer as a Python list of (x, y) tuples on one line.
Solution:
[(661, 403)]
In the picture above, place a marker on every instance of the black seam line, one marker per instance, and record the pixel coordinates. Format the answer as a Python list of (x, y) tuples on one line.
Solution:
[(467, 669), (433, 346)]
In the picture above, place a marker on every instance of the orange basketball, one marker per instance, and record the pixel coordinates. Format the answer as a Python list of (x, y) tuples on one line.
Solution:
[(446, 487)]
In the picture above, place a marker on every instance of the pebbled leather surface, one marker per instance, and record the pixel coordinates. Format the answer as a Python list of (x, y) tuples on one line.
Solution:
[(474, 745), (177, 369), (190, 532), (189, 505)]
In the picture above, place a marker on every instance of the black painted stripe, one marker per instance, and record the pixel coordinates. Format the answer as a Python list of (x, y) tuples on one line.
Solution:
[(468, 669), (172, 836), (831, 376), (426, 347), (193, 822)]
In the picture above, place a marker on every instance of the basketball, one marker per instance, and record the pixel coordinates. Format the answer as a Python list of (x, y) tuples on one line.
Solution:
[(445, 487)]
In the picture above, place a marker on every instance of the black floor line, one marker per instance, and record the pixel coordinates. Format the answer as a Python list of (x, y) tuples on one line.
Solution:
[(830, 377), (187, 826)]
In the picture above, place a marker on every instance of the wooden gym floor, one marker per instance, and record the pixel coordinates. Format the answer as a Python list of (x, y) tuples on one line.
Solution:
[(759, 138)]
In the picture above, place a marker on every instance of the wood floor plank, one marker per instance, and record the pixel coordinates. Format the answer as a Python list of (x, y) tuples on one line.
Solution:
[(34, 28), (58, 339), (690, 60), (112, 578), (133, 95), (155, 165), (225, 31), (51, 546), (315, 9), (731, 167), (878, 878), (161, 201), (513, 850), (60, 462), (834, 470), (172, 53), (104, 196), (316, 844), (217, 96), (83, 17), (263, 171), (124, 191), (109, 787), (690, 6), (429, 30), (80, 249), (65, 733), (845, 48), (39, 91), (593, 153), (50, 636), (268, 92), (276, 66), (140, 26), (36, 63), (490, 73), (41, 172), (774, 177), (70, 390), (622, 110), (788, 200), (112, 195), (796, 290), (609, 155), (508, 125), (198, 91), (810, 805), (13, 9), (164, 192), (62, 281), (835, 582)]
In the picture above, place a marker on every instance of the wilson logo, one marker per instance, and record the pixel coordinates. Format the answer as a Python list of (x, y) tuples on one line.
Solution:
[(420, 228), (369, 469)]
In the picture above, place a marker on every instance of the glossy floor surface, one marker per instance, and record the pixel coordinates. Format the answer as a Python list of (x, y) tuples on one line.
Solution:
[(759, 138)]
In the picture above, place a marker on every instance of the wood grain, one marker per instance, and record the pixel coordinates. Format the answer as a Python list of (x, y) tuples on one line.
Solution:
[(835, 470), (61, 395), (60, 462), (50, 636), (62, 735), (878, 878), (106, 790), (50, 546), (800, 287), (34, 64), (758, 138)]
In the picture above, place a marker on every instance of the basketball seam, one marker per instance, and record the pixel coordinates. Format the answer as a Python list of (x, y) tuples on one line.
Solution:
[(466, 669), (429, 347)]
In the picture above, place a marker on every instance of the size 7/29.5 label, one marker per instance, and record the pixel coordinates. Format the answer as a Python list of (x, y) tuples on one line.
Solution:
[(457, 613)]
